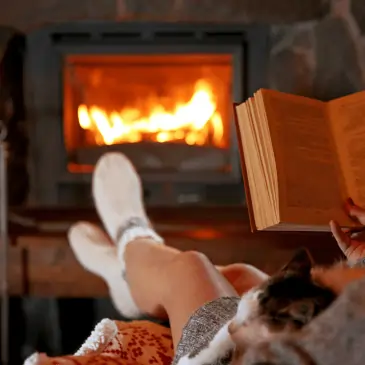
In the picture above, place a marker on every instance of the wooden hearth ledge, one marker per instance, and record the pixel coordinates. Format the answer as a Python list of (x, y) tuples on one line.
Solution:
[(42, 264)]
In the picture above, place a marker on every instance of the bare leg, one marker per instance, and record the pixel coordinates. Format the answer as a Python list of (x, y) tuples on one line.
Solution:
[(242, 277), (161, 280), (178, 283), (165, 268), (98, 254)]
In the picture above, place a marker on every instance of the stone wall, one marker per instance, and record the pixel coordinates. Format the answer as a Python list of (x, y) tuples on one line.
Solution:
[(318, 47), (12, 113), (26, 15), (322, 58)]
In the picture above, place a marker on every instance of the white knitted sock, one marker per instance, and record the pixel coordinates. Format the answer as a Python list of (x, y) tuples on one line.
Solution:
[(97, 254), (118, 199)]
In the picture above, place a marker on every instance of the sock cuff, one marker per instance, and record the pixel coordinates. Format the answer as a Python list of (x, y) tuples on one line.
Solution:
[(131, 234)]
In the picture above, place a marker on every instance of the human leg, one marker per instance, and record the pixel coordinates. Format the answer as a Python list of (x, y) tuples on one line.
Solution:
[(97, 253), (178, 284), (162, 282), (161, 279), (242, 277)]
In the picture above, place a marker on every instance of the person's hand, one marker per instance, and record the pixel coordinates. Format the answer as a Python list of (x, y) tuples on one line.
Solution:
[(351, 244)]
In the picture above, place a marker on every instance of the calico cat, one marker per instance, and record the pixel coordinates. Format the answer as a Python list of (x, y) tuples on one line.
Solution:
[(288, 300), (285, 302)]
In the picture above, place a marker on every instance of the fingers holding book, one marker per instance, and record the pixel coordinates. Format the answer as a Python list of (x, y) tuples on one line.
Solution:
[(351, 241), (355, 211)]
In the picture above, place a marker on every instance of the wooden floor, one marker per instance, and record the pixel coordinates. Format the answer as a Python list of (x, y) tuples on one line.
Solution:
[(42, 264)]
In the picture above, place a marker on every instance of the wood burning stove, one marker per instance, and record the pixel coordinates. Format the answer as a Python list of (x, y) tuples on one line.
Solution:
[(169, 112), (161, 94)]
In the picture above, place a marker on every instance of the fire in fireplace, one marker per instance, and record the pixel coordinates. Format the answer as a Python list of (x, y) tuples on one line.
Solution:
[(195, 121), (160, 93), (145, 99)]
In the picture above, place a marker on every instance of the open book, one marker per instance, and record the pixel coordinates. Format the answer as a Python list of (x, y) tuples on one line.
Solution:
[(301, 158)]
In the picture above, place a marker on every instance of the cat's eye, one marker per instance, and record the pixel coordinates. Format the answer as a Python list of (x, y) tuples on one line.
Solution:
[(302, 312), (299, 324), (282, 317)]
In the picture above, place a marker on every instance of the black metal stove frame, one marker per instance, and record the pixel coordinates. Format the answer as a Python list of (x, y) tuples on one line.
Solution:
[(51, 183)]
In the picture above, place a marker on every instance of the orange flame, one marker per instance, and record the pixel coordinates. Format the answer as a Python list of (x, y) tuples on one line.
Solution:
[(196, 122)]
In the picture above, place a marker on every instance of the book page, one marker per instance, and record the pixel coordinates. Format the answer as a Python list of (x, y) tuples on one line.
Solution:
[(311, 187), (255, 175), (260, 145), (347, 116)]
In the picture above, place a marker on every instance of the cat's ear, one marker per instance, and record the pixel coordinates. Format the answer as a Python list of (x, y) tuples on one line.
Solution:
[(300, 264)]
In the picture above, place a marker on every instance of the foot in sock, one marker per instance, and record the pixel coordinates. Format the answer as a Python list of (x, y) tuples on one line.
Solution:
[(97, 254), (118, 199)]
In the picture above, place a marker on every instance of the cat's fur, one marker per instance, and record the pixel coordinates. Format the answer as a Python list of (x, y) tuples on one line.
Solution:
[(288, 300)]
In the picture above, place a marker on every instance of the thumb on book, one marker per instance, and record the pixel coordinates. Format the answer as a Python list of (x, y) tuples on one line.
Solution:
[(342, 239), (355, 211)]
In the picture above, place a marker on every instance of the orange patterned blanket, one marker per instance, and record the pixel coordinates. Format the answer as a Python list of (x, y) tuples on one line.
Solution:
[(118, 343)]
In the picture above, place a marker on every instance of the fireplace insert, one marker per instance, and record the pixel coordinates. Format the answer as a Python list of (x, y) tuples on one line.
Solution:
[(170, 113), (160, 93)]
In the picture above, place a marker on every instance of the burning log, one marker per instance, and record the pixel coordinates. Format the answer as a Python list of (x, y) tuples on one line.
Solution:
[(149, 156)]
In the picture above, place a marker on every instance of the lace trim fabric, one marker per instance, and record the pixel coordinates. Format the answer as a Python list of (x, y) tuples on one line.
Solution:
[(99, 338)]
